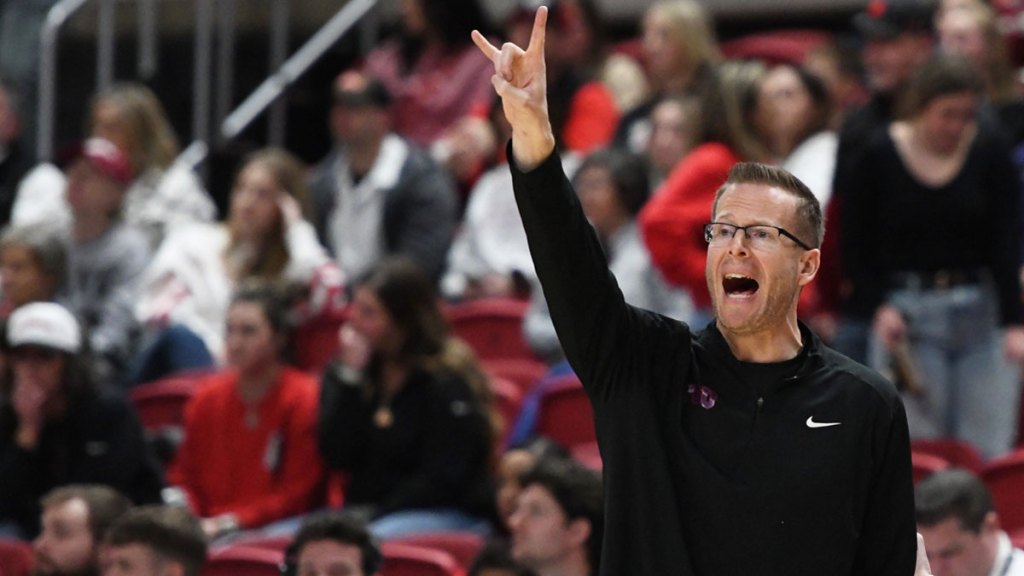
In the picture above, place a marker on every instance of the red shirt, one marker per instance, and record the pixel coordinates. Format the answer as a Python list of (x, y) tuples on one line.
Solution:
[(262, 470)]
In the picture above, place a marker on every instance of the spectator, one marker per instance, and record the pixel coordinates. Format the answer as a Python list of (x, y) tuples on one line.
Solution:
[(105, 257), (15, 161), (432, 68), (249, 455), (495, 559), (559, 520), (681, 53), (375, 194), (672, 222), (333, 543), (74, 520), (792, 114), (675, 127), (163, 194), (406, 411), (516, 463), (33, 265), (933, 264), (898, 38), (154, 541), (190, 281), (612, 186), (961, 527), (57, 426)]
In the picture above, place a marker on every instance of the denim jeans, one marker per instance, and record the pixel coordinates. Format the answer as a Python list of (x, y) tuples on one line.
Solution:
[(971, 390)]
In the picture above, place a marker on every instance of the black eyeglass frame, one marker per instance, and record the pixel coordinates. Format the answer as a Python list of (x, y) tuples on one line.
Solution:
[(782, 231)]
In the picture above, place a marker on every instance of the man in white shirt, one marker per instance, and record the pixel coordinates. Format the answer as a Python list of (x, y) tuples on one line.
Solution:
[(961, 527)]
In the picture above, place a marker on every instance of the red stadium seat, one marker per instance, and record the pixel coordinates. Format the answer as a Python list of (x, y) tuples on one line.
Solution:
[(493, 327), (244, 561), (565, 415), (523, 372), (315, 344), (925, 465), (775, 47), (589, 455), (509, 400), (1005, 479), (1017, 538), (957, 452), (406, 560), (463, 546), (161, 409), (15, 557)]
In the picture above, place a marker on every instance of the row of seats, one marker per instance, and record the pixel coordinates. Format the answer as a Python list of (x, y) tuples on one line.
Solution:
[(440, 554)]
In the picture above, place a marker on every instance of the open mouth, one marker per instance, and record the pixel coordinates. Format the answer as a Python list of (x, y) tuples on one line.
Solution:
[(739, 285)]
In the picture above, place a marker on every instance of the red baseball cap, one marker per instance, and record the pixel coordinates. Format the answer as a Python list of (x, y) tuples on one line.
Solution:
[(103, 155)]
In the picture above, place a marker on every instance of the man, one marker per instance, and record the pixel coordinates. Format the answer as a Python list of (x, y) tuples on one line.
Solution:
[(558, 521), (74, 520), (155, 541), (898, 38), (332, 543), (375, 194), (959, 524), (105, 257), (748, 447)]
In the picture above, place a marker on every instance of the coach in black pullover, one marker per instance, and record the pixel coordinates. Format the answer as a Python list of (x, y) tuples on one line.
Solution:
[(744, 448)]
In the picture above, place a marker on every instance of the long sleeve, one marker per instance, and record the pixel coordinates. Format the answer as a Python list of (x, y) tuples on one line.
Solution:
[(20, 471), (672, 221), (341, 421), (1002, 183), (858, 248)]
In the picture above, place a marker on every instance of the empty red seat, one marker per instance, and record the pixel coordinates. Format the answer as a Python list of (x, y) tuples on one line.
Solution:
[(15, 557), (524, 372), (589, 455), (1005, 479), (509, 400), (925, 465), (564, 414), (244, 561), (957, 452), (161, 408), (463, 546), (315, 344), (407, 560), (493, 327)]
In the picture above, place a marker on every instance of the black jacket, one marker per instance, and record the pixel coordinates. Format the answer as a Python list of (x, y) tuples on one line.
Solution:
[(711, 466), (100, 441)]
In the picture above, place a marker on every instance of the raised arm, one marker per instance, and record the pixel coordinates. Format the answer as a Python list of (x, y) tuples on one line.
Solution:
[(520, 79)]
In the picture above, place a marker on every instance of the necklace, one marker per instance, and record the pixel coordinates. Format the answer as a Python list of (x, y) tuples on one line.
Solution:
[(383, 417)]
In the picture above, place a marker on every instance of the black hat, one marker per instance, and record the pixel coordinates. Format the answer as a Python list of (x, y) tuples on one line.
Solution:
[(369, 92), (890, 18)]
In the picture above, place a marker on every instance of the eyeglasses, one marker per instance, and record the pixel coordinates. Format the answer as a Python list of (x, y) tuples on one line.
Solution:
[(761, 236)]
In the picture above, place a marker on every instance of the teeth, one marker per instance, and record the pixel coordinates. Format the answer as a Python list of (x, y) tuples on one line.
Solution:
[(735, 277)]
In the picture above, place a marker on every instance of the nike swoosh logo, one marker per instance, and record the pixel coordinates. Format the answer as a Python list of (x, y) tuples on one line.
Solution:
[(812, 424)]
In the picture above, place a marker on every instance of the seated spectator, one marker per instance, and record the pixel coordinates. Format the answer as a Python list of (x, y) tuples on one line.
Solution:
[(407, 411), (514, 464), (495, 559), (105, 257), (792, 115), (249, 456), (559, 520), (489, 256), (33, 264), (612, 186), (960, 526), (376, 194), (190, 280), (333, 543), (154, 541), (74, 520), (432, 69), (163, 194), (57, 426), (674, 130)]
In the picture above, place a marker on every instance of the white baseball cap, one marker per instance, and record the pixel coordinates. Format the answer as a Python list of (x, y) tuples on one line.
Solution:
[(44, 324)]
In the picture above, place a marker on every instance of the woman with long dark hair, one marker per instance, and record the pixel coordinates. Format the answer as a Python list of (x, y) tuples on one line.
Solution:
[(406, 411)]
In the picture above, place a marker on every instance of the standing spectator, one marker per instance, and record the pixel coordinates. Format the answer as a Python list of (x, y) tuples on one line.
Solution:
[(188, 285), (432, 69), (931, 255), (961, 528), (155, 541), (249, 456), (57, 426), (33, 266), (375, 194), (407, 411), (162, 194), (333, 543), (74, 520), (898, 38), (105, 257), (559, 520), (681, 54)]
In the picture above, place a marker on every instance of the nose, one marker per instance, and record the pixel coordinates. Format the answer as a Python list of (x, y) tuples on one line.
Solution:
[(738, 243)]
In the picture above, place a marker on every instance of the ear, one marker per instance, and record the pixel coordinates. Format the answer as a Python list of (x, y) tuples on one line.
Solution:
[(810, 262), (579, 531), (991, 522)]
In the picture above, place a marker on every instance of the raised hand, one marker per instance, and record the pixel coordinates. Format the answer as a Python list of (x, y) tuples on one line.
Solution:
[(521, 82)]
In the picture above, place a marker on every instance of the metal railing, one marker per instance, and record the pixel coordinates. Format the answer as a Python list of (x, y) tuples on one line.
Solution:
[(266, 95)]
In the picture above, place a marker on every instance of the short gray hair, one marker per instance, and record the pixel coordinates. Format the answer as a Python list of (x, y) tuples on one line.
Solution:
[(48, 247)]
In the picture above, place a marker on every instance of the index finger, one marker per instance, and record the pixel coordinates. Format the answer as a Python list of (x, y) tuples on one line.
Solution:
[(485, 46), (539, 32)]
